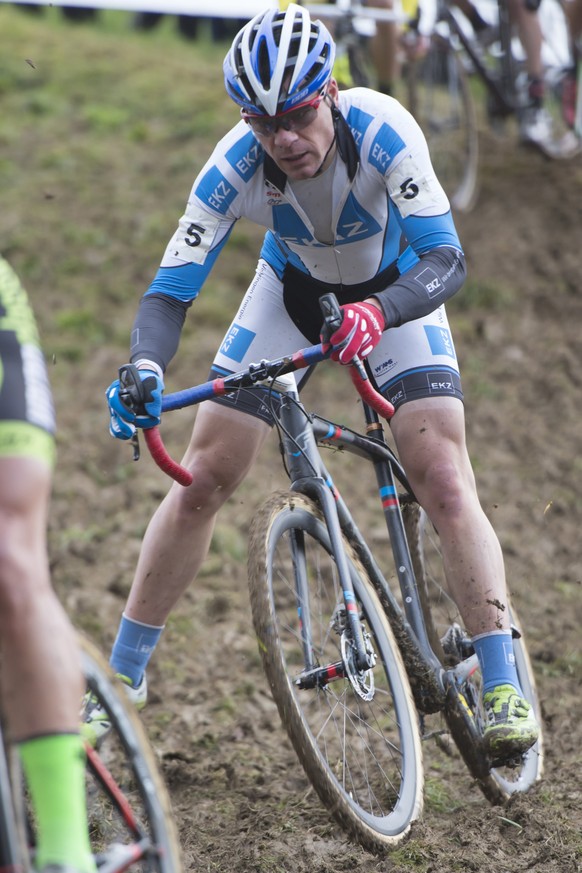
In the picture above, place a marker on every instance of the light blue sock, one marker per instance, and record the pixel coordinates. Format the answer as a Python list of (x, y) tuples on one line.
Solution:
[(495, 653), (133, 648)]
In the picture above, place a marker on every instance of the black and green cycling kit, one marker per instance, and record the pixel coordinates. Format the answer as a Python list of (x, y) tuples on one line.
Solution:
[(27, 418)]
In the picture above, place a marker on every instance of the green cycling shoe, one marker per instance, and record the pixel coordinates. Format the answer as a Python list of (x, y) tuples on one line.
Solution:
[(511, 727)]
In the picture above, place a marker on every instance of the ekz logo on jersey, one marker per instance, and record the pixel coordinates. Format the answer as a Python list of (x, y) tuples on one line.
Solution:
[(429, 280), (216, 190), (236, 343), (440, 340), (387, 144), (245, 156)]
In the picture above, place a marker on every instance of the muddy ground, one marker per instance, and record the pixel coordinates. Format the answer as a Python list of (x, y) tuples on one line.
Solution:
[(241, 800)]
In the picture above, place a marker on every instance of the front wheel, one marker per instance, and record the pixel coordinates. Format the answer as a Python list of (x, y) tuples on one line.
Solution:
[(130, 817), (463, 710), (131, 827), (440, 100), (354, 731)]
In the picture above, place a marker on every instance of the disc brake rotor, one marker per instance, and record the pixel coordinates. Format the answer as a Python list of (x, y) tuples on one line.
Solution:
[(362, 681)]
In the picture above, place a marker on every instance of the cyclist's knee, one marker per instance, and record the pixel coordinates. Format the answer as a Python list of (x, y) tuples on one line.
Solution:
[(444, 482), (222, 451), (22, 580), (444, 487), (214, 478)]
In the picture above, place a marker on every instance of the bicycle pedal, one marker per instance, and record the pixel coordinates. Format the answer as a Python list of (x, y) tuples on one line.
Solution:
[(512, 762)]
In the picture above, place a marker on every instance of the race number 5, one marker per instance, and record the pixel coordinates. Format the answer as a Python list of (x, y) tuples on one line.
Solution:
[(409, 189), (193, 236)]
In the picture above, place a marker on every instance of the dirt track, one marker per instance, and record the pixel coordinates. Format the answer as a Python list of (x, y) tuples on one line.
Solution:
[(241, 800)]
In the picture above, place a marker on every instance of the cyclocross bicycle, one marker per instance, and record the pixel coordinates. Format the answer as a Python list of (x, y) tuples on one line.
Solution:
[(130, 821), (366, 656)]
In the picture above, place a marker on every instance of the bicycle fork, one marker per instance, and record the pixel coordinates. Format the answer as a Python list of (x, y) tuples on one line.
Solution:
[(300, 449)]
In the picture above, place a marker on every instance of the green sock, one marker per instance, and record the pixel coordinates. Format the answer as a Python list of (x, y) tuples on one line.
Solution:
[(54, 767)]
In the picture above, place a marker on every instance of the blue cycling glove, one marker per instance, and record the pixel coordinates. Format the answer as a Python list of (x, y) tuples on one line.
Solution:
[(134, 400)]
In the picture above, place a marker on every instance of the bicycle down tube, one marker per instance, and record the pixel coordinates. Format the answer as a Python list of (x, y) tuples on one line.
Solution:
[(503, 89)]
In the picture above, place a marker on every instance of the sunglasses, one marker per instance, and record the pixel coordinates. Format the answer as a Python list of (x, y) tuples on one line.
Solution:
[(292, 119)]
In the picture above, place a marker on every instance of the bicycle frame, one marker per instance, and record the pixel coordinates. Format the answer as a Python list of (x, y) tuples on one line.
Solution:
[(309, 476), (435, 688), (300, 433), (501, 88)]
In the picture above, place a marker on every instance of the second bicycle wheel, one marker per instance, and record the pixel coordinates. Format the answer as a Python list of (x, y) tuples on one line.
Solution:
[(131, 827), (452, 645), (130, 818), (440, 100), (355, 732)]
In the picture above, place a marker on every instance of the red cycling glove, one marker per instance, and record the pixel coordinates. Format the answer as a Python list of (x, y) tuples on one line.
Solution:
[(359, 332)]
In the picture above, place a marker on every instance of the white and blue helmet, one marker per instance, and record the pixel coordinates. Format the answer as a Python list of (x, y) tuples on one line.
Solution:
[(278, 60)]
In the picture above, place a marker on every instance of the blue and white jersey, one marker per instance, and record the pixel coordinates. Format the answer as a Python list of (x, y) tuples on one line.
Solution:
[(387, 209)]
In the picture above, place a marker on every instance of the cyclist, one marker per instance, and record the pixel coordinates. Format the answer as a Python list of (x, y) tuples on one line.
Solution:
[(40, 678), (395, 42), (343, 183)]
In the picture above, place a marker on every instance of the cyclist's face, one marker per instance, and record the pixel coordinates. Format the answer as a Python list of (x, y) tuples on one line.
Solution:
[(302, 153)]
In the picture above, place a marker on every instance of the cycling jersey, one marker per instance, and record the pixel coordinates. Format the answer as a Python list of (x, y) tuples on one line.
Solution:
[(27, 422), (387, 229)]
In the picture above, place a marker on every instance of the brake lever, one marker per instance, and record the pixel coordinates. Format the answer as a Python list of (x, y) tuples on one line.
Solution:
[(131, 389), (135, 445), (332, 315), (358, 365)]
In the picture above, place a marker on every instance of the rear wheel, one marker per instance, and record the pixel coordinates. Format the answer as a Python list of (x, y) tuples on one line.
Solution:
[(440, 100), (463, 710), (354, 731)]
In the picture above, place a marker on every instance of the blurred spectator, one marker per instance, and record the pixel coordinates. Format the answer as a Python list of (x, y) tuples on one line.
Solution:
[(220, 28), (72, 13), (79, 13), (226, 28)]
